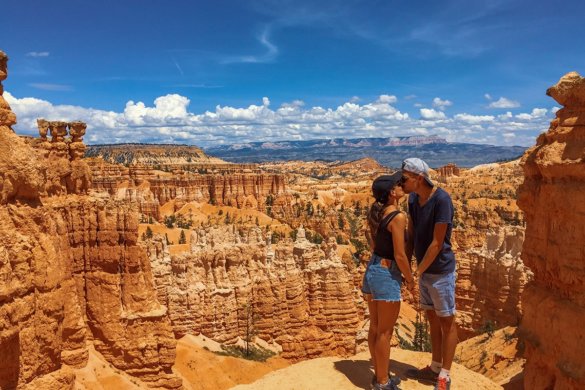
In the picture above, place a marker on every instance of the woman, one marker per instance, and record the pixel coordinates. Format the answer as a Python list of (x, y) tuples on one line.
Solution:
[(383, 277)]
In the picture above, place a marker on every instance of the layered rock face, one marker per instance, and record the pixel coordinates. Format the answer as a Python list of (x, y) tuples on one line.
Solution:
[(491, 280), (148, 187), (71, 272), (153, 154), (552, 199), (301, 295)]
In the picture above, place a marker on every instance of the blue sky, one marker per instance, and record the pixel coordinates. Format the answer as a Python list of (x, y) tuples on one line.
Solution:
[(235, 71)]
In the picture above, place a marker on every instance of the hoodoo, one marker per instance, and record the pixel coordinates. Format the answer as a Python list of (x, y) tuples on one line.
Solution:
[(553, 201)]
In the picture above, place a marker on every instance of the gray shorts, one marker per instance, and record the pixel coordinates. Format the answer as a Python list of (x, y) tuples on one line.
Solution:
[(437, 292)]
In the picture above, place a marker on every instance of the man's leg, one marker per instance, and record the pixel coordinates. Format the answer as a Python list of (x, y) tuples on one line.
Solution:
[(450, 339), (445, 305), (436, 336), (429, 373)]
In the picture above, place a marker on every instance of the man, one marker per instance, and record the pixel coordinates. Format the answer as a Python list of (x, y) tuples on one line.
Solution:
[(430, 212)]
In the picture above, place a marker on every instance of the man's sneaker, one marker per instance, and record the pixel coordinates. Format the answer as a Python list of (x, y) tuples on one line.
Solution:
[(424, 374), (443, 384), (391, 385)]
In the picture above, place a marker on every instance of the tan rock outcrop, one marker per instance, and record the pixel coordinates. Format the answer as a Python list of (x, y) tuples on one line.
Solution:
[(302, 295), (552, 200)]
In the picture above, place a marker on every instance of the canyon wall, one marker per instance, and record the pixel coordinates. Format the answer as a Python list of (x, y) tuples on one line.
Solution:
[(298, 297), (151, 188), (71, 272), (553, 201)]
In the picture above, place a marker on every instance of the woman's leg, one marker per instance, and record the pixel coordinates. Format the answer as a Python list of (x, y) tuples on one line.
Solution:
[(373, 328), (387, 316)]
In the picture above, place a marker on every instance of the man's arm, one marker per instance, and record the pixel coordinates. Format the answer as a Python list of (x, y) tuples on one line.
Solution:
[(439, 232), (409, 239)]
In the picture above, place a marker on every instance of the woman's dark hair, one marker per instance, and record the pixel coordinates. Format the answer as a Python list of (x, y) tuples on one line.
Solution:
[(381, 188), (375, 216)]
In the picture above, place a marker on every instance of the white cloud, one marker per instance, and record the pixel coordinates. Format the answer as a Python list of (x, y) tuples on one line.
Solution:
[(554, 109), (535, 114), (506, 116), (487, 96), (441, 104), (503, 102), (430, 114), (387, 99), (293, 104), (473, 119), (37, 54)]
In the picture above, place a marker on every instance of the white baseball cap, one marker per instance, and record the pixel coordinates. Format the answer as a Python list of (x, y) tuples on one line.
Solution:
[(419, 167)]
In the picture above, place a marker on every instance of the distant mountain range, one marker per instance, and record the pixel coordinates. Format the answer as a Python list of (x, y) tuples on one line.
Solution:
[(436, 151)]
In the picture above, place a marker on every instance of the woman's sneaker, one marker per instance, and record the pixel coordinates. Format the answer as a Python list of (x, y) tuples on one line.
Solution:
[(424, 374), (375, 380), (392, 384)]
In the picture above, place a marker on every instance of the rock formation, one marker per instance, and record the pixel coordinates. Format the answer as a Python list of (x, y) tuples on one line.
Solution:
[(302, 295), (447, 171), (490, 281), (7, 117), (20, 176), (71, 272), (552, 200), (152, 189)]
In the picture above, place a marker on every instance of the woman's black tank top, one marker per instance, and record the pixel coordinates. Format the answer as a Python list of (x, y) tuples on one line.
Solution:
[(384, 247)]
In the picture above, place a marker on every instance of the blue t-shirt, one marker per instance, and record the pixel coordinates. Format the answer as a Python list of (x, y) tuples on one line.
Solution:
[(438, 209)]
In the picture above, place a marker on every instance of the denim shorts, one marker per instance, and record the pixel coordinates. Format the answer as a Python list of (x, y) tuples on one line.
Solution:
[(383, 283), (437, 292)]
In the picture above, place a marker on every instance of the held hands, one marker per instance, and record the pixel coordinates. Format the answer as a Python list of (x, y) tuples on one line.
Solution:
[(411, 283)]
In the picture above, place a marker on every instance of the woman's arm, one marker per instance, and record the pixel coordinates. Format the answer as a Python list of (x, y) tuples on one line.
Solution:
[(397, 227)]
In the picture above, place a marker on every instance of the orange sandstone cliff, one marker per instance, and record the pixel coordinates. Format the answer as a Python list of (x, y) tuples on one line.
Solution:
[(71, 272), (553, 201)]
